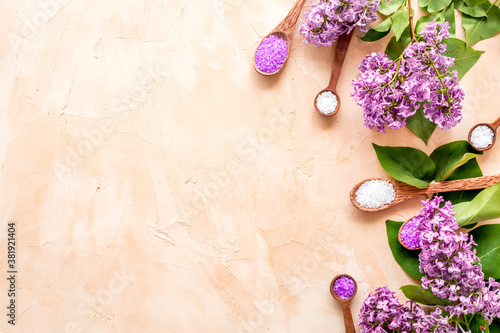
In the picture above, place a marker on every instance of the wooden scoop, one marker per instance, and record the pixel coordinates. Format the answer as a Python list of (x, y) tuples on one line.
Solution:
[(346, 304), (284, 30), (340, 53), (405, 192), (493, 126)]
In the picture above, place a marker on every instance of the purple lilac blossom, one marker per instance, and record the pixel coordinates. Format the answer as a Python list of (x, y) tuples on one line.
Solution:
[(450, 264), (344, 287), (451, 270), (271, 54), (382, 312), (409, 236), (328, 19), (391, 91)]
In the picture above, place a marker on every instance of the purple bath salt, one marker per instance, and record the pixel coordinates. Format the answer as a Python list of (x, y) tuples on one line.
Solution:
[(344, 287), (271, 54), (409, 236)]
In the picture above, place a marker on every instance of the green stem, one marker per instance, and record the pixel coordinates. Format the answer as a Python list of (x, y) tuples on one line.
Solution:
[(440, 79)]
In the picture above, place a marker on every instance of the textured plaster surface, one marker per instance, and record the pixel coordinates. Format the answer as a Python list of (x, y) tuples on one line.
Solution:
[(158, 184)]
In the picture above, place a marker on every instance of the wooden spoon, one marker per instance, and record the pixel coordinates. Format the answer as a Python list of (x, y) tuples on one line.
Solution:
[(493, 126), (284, 30), (346, 304), (405, 192), (340, 53)]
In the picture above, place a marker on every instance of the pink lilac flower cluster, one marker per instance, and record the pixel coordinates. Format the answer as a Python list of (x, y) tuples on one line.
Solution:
[(450, 264), (328, 19), (451, 270), (391, 91), (382, 312)]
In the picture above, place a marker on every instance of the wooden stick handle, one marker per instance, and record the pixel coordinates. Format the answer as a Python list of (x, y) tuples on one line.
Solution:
[(495, 124), (287, 26), (340, 53), (462, 184), (348, 322)]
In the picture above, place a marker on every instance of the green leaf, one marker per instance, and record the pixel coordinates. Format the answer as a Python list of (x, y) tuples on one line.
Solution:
[(485, 206), (408, 260), (476, 11), (449, 16), (400, 21), (488, 250), (408, 165), (450, 156), (478, 322), (474, 2), (373, 35), (465, 56), (421, 126), (422, 21), (437, 5), (378, 32), (480, 28), (387, 8), (423, 3), (470, 169), (395, 48), (495, 326), (422, 296)]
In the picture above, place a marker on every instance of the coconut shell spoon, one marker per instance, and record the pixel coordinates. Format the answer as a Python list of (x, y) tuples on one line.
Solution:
[(284, 30), (405, 192), (340, 53), (346, 303), (493, 126)]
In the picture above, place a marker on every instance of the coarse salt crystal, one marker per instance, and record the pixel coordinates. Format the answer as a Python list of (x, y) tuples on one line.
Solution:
[(482, 136), (326, 102), (271, 54), (375, 194), (409, 235), (344, 287)]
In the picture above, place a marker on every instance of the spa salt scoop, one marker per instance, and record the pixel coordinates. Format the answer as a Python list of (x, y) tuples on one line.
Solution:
[(483, 136), (373, 195), (343, 288), (327, 102), (273, 50)]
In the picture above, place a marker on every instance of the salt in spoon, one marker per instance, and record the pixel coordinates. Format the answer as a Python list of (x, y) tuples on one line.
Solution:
[(346, 303), (401, 236), (284, 30), (405, 192), (493, 126), (340, 52)]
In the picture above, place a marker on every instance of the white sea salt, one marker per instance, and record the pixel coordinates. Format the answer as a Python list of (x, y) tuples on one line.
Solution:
[(375, 194), (326, 102), (482, 136)]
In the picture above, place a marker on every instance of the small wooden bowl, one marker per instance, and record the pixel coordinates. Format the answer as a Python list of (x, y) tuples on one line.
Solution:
[(334, 295), (399, 235), (492, 142)]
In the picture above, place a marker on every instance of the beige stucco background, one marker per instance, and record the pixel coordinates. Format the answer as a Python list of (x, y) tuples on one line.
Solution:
[(158, 184)]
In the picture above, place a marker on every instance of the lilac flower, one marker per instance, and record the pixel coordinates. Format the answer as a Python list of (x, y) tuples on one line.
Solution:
[(382, 312), (451, 267), (450, 264), (391, 91), (328, 19), (452, 271)]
